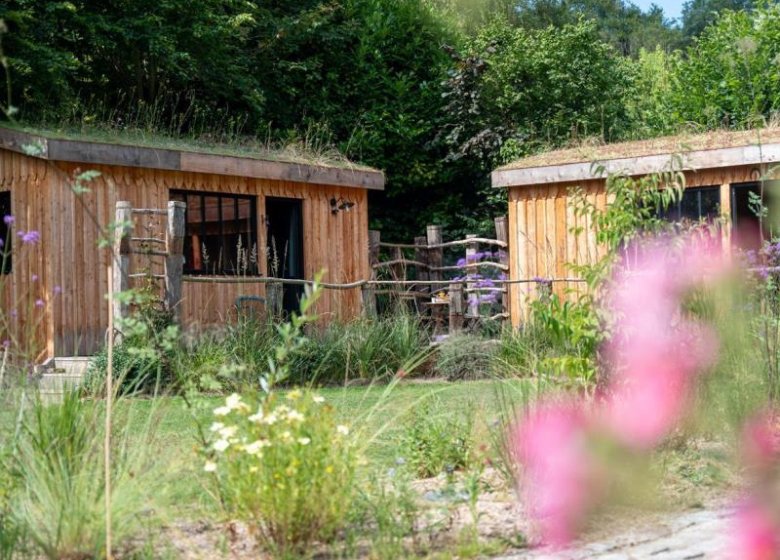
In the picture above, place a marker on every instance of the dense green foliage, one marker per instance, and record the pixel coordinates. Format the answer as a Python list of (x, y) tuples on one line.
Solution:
[(435, 92)]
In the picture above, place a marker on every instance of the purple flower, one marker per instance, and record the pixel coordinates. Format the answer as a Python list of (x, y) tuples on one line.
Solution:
[(9, 220), (34, 278), (13, 313), (39, 303), (461, 262), (57, 290), (31, 237), (6, 342)]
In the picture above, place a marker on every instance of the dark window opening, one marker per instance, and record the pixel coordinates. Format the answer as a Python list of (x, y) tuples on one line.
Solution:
[(5, 233), (745, 225), (284, 237), (221, 233), (696, 205)]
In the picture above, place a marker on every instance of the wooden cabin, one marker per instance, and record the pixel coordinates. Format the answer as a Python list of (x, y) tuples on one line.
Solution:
[(245, 216), (721, 169)]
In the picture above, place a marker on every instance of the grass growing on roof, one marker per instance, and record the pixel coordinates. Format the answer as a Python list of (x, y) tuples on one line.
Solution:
[(309, 149)]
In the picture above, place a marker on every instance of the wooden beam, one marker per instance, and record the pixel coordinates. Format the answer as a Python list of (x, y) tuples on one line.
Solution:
[(642, 165)]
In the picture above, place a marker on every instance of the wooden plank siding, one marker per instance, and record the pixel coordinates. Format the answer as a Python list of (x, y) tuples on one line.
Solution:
[(74, 322), (543, 228)]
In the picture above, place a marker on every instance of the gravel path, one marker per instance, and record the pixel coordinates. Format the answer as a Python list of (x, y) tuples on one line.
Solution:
[(691, 535)]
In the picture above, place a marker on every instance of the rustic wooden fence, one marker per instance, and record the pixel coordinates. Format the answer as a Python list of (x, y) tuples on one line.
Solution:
[(463, 280), (452, 283)]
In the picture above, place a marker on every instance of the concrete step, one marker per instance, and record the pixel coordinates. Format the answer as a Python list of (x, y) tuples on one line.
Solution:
[(61, 374)]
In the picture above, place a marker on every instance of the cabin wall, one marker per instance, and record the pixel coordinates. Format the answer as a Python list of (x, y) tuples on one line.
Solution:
[(27, 292), (548, 239), (68, 257)]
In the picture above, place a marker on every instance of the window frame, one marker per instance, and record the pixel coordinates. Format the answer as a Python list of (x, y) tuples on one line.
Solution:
[(676, 207), (183, 195)]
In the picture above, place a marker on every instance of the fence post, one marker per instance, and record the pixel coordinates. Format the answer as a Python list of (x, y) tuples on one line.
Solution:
[(174, 261), (374, 237), (368, 299), (274, 295), (456, 307), (472, 269), (435, 254), (121, 258), (502, 234)]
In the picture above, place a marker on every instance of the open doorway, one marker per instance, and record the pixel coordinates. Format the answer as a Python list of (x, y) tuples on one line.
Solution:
[(746, 227), (284, 240)]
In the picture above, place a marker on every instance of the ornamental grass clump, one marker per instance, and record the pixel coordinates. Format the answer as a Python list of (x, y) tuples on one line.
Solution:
[(285, 466)]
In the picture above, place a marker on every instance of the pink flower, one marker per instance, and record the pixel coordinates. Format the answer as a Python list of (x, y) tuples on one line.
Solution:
[(559, 481), (34, 278), (57, 290), (39, 303), (761, 441), (755, 534), (8, 220), (656, 353)]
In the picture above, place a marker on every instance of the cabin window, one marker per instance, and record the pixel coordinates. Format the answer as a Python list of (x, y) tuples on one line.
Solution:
[(5, 233), (221, 233), (700, 204)]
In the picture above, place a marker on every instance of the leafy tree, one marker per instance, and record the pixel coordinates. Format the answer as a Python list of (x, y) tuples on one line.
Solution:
[(698, 14), (730, 76), (620, 23), (515, 92)]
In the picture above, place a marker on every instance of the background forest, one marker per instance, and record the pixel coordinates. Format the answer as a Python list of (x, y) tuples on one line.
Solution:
[(435, 92)]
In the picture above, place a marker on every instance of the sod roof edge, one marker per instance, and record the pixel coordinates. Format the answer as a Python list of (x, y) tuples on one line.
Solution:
[(93, 152)]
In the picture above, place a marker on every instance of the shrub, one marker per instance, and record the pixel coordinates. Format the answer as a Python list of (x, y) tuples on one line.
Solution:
[(433, 442), (60, 461), (287, 468), (465, 357), (363, 349)]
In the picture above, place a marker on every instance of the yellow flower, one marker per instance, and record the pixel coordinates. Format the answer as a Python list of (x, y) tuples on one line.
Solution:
[(295, 394), (329, 469)]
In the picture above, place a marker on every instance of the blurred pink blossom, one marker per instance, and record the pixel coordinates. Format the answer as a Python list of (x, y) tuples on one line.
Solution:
[(656, 352), (761, 441), (756, 534), (558, 473)]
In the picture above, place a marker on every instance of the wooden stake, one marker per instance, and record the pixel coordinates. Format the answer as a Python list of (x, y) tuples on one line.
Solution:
[(109, 396)]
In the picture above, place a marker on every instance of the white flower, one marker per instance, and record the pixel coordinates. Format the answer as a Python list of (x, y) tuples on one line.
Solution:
[(286, 436), (295, 416), (220, 445), (256, 418), (271, 419), (342, 429), (282, 410), (304, 441), (255, 447), (216, 426), (221, 411), (318, 399), (210, 466), (228, 432), (233, 401)]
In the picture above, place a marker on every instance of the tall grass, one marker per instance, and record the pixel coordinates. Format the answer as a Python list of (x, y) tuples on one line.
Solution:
[(59, 461)]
